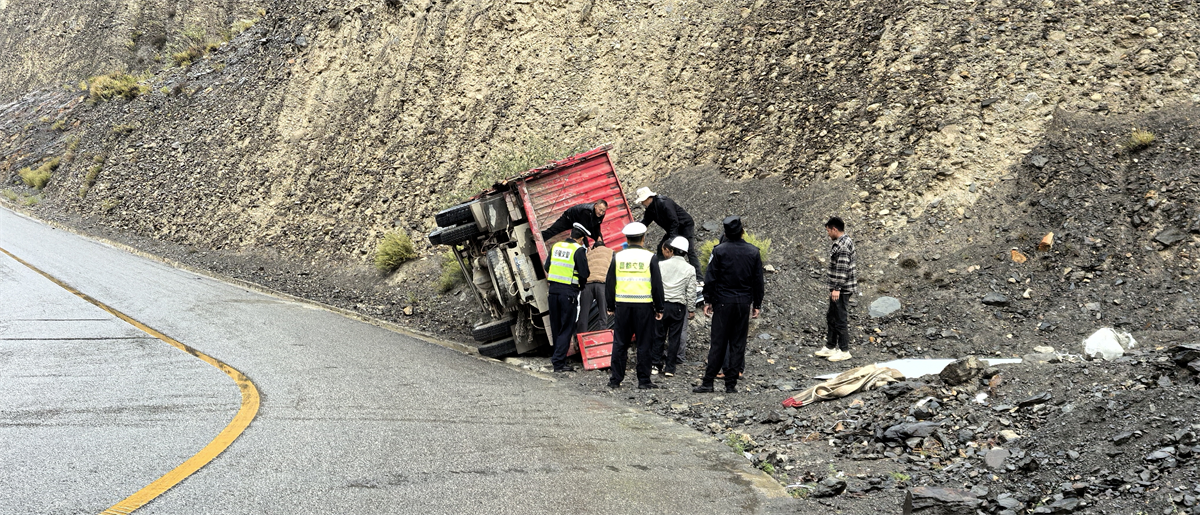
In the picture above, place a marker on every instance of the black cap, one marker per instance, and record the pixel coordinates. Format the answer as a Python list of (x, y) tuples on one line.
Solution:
[(733, 226)]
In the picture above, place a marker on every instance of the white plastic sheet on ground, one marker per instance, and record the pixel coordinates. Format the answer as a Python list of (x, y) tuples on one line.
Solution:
[(922, 367), (1109, 344)]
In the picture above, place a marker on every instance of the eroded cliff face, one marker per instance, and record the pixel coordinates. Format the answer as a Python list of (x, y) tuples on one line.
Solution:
[(50, 44), (325, 125)]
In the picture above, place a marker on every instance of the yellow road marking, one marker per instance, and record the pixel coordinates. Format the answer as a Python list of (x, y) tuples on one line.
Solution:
[(240, 422)]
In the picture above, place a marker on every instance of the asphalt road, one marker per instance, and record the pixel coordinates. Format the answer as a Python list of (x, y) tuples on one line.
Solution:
[(354, 418)]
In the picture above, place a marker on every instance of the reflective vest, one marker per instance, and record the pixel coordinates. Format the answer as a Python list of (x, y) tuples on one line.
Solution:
[(633, 276), (562, 263)]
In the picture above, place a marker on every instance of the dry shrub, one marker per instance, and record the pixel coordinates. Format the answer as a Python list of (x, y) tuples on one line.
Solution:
[(113, 85), (393, 250)]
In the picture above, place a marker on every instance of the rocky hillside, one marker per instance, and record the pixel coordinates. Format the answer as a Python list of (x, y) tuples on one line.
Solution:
[(949, 134)]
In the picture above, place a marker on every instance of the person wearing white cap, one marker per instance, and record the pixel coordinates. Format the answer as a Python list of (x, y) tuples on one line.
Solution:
[(672, 218), (635, 297), (565, 266), (679, 304)]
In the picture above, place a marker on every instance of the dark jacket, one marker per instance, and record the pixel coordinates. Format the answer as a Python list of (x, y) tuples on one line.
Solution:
[(735, 275), (584, 214), (668, 215), (656, 285), (581, 271)]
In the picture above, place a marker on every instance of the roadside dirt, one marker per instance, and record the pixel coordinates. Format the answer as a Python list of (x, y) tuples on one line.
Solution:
[(948, 135)]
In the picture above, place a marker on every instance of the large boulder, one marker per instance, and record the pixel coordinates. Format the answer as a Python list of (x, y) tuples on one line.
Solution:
[(884, 306), (927, 500), (962, 371)]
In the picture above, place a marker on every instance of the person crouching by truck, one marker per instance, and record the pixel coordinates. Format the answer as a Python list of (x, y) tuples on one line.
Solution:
[(566, 265), (599, 257), (590, 216), (679, 304), (635, 297)]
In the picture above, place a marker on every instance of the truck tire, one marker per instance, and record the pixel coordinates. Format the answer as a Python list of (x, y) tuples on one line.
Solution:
[(435, 237), (500, 349), (453, 216), (458, 234), (492, 331)]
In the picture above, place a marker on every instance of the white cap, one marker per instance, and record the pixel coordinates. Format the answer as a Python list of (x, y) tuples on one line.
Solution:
[(644, 193), (582, 229), (679, 243), (634, 229)]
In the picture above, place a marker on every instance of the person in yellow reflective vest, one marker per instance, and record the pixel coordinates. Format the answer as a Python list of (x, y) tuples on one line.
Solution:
[(566, 269), (635, 297)]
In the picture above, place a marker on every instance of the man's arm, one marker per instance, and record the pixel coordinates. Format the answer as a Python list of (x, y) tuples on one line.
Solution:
[(689, 289), (581, 265), (656, 285), (757, 281)]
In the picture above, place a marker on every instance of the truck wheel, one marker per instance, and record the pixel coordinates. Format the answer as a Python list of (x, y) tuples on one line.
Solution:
[(492, 331), (453, 216), (435, 237), (499, 349), (459, 234)]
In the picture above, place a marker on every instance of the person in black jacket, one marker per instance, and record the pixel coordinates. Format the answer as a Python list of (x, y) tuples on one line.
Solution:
[(590, 216), (733, 294), (673, 219)]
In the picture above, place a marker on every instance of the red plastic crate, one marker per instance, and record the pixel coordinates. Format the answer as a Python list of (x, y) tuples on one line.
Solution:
[(596, 349)]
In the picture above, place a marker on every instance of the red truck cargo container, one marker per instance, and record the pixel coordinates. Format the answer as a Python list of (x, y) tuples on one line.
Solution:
[(496, 236)]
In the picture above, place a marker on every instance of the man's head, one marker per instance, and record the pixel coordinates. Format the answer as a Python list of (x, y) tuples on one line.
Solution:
[(733, 227), (644, 196), (835, 228), (634, 233), (667, 251), (600, 207), (598, 242)]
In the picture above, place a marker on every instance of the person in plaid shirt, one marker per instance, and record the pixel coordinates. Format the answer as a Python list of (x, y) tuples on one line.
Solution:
[(841, 280)]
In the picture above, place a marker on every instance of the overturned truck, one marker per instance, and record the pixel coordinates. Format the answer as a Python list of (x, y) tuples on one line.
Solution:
[(496, 236)]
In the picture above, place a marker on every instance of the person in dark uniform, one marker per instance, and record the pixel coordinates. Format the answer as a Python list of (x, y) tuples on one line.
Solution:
[(673, 219), (590, 216), (733, 294), (635, 297), (566, 268)]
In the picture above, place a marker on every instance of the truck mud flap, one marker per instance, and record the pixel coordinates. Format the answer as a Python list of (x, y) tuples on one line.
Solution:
[(457, 234), (494, 330), (453, 216), (500, 349)]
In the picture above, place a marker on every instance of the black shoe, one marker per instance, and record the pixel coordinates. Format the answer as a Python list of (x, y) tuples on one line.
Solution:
[(730, 389), (648, 386), (567, 368), (614, 385), (703, 389)]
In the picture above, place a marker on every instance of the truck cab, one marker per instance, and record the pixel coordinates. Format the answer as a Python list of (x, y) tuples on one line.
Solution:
[(496, 237)]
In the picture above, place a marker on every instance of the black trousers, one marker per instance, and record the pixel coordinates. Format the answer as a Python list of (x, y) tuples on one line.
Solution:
[(837, 322), (730, 327), (633, 321), (668, 337), (562, 325), (590, 292)]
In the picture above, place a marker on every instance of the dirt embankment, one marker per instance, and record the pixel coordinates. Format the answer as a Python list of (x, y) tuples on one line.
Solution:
[(945, 133)]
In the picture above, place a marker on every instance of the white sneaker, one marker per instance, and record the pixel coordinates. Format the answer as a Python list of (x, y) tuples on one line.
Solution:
[(840, 355), (653, 371), (825, 352)]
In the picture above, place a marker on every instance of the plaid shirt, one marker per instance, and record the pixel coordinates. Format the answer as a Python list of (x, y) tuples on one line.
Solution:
[(842, 275)]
